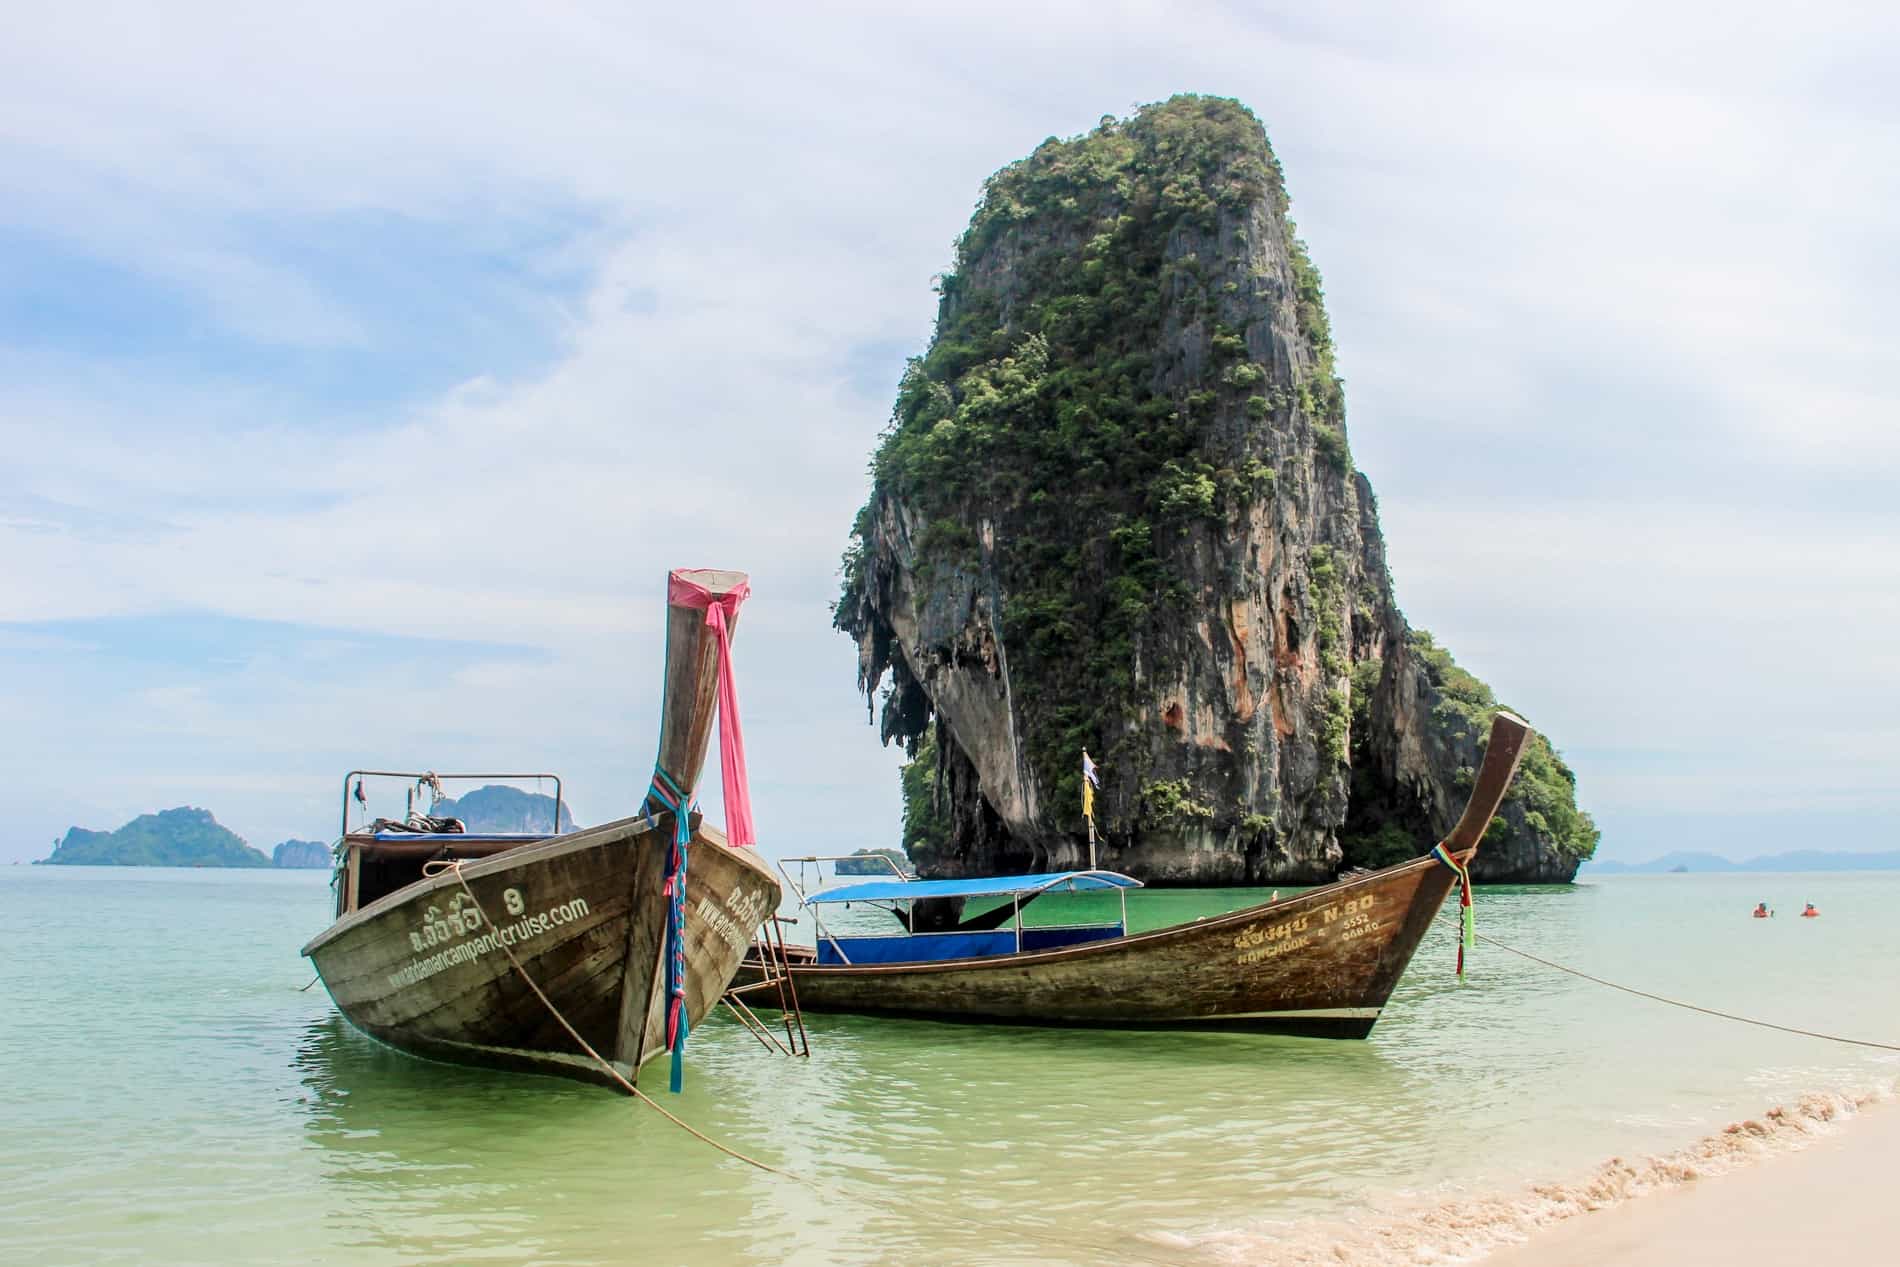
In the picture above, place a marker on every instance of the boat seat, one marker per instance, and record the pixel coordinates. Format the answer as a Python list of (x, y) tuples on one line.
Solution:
[(388, 861), (917, 948), (1049, 938)]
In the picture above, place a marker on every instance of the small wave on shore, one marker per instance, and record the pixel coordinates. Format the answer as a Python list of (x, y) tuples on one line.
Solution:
[(1464, 1228)]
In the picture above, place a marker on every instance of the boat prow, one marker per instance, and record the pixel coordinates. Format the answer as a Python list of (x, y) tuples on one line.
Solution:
[(504, 950)]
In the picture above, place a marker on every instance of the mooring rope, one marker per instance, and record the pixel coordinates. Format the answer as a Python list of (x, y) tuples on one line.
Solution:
[(888, 1204), (455, 868), (1691, 1007)]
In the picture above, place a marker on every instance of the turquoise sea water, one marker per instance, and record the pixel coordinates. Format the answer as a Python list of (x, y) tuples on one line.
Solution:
[(167, 1095)]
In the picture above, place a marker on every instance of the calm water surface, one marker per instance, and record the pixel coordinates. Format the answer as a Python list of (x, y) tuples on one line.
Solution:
[(167, 1095)]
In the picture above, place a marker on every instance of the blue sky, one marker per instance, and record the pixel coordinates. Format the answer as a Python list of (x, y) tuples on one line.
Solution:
[(362, 372)]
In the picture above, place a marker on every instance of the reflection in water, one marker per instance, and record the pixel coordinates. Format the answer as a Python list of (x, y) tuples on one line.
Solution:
[(443, 1162), (919, 1138)]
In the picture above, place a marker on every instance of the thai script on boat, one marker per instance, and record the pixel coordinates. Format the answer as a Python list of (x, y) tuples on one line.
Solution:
[(1356, 919), (1262, 942), (462, 917), (439, 927), (1358, 926), (1353, 909), (1269, 941), (1261, 933), (736, 923)]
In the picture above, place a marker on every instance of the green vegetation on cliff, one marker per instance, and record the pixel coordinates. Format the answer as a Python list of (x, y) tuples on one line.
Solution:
[(1542, 799), (182, 837), (926, 825), (1053, 414), (1545, 788)]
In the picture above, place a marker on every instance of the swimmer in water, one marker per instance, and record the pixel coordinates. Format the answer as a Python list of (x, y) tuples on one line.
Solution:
[(1810, 913), (1760, 911)]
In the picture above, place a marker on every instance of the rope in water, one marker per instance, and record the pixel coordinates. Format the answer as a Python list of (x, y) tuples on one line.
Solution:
[(893, 1206), (1692, 1007)]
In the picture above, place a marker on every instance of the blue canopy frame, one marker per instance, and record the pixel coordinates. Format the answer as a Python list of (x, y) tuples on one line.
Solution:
[(986, 886), (957, 944)]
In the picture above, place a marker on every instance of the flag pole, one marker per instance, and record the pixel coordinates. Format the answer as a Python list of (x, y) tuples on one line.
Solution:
[(1089, 783)]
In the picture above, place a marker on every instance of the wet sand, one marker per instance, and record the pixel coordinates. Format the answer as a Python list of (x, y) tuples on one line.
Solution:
[(1805, 1183), (1833, 1201)]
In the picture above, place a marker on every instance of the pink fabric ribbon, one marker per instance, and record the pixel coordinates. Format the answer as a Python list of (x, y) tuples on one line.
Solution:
[(720, 611)]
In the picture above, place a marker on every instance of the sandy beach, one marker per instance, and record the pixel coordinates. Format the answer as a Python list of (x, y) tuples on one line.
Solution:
[(1831, 1201), (1810, 1176)]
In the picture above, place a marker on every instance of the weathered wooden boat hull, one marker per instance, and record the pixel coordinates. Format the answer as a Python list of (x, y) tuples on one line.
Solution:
[(1322, 963), (425, 969)]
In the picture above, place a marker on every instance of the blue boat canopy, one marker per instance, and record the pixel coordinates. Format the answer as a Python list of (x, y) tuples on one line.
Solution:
[(986, 886)]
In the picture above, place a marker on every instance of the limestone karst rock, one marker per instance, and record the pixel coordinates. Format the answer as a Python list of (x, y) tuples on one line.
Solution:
[(182, 837), (497, 807), (1115, 509), (301, 855)]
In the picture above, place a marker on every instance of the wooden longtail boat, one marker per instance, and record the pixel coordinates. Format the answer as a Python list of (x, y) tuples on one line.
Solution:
[(1321, 963), (419, 955)]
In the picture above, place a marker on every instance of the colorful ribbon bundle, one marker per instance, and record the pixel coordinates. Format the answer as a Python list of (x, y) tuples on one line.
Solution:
[(668, 796), (1467, 918)]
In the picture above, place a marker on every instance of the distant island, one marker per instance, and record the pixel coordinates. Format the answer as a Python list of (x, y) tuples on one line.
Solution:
[(191, 837), (1681, 863), (301, 855), (182, 837), (499, 808), (871, 862)]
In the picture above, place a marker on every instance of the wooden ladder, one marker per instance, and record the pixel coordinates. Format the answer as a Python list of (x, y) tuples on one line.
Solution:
[(769, 956)]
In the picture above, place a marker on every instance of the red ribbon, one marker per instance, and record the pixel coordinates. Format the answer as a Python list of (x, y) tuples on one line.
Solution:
[(720, 611)]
